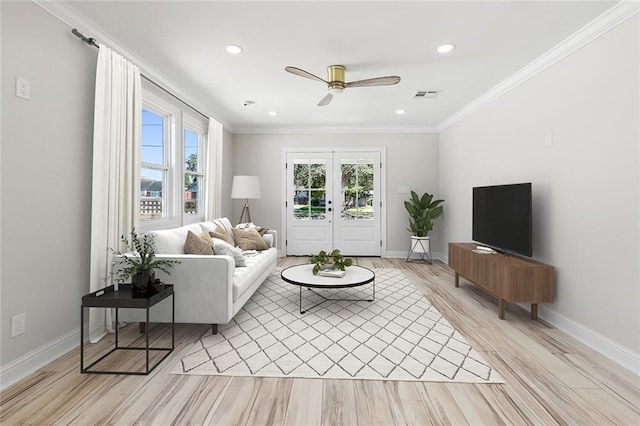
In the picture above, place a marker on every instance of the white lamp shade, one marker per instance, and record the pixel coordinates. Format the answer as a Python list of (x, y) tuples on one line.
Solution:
[(245, 187)]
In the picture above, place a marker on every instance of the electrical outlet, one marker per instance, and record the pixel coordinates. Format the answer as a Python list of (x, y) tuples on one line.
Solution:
[(18, 324), (23, 88)]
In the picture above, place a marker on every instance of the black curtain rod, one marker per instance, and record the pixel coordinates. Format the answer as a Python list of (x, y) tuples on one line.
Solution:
[(92, 42)]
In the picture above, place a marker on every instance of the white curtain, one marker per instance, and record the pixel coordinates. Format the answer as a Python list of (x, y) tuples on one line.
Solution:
[(213, 198), (116, 142)]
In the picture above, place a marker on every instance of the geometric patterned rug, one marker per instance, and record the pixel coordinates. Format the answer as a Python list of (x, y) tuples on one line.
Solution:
[(399, 336)]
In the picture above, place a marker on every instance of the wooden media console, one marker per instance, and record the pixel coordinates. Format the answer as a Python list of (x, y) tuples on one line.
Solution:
[(512, 279)]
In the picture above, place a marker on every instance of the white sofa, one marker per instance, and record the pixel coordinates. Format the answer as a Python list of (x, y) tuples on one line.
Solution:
[(208, 289)]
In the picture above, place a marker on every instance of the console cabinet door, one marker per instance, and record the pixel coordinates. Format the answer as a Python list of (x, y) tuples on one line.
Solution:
[(463, 261)]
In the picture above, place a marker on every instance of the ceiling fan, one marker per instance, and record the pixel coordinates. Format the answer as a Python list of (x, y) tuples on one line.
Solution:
[(336, 84)]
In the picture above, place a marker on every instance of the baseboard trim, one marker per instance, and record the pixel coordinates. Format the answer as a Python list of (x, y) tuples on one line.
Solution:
[(403, 255), (621, 355), (38, 358)]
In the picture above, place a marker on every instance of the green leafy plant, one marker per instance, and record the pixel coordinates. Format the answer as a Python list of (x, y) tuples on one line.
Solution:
[(141, 257), (422, 211), (324, 259)]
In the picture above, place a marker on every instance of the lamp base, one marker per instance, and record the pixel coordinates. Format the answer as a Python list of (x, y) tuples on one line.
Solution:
[(245, 211)]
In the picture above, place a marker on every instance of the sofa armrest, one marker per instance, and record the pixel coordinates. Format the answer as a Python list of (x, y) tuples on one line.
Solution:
[(274, 235), (203, 286)]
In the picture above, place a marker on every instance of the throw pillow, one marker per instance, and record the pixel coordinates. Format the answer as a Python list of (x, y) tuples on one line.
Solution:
[(196, 245), (222, 247), (249, 239), (220, 233)]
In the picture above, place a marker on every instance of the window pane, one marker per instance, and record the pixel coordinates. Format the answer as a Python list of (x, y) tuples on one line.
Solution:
[(152, 138), (151, 193), (191, 196), (357, 189), (191, 142), (310, 181)]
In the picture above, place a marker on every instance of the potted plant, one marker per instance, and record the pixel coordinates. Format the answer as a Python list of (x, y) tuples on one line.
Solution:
[(140, 263), (422, 211), (332, 260)]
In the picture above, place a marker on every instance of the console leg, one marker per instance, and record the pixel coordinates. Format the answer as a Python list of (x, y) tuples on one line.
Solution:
[(534, 311), (501, 308), (214, 328), (142, 326), (457, 280)]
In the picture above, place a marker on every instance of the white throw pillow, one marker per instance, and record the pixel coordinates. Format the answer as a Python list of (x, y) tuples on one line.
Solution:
[(223, 247)]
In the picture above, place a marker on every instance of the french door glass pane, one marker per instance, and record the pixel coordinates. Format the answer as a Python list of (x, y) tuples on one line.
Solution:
[(356, 189), (310, 182), (151, 193)]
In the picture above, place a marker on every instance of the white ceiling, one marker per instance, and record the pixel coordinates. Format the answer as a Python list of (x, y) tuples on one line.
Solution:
[(185, 41)]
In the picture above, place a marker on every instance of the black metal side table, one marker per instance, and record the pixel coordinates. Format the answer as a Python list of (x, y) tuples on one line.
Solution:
[(121, 298)]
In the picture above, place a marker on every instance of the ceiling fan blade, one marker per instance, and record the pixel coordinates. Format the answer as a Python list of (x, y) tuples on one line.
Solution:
[(378, 81), (303, 73), (326, 100)]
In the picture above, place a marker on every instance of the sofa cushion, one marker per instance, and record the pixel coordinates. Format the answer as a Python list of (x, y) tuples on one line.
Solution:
[(245, 278), (221, 234), (171, 241), (249, 239), (222, 247), (224, 223), (195, 244)]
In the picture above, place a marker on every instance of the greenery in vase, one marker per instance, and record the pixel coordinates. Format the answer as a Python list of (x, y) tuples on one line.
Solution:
[(422, 211), (141, 258), (334, 258)]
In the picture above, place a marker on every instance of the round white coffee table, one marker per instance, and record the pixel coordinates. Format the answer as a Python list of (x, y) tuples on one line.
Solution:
[(302, 276)]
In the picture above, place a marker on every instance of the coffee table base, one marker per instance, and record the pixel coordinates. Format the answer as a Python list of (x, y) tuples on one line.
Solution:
[(325, 299)]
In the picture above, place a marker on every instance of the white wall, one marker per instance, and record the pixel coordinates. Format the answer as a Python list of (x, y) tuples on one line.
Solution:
[(412, 160), (46, 177), (585, 186)]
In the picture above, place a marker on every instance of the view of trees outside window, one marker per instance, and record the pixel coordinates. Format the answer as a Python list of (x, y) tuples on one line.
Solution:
[(310, 182), (357, 189), (192, 172), (153, 166)]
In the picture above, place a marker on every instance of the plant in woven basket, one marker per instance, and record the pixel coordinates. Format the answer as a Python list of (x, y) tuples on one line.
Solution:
[(331, 260)]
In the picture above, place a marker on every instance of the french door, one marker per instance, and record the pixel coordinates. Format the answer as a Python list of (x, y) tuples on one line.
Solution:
[(333, 201)]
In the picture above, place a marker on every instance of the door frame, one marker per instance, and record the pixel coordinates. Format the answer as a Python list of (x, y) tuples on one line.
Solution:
[(383, 186)]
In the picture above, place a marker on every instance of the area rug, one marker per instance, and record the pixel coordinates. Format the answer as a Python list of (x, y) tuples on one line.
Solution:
[(399, 336)]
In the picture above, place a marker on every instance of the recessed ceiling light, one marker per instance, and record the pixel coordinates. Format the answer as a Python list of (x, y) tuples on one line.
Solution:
[(400, 111), (272, 113), (446, 48), (234, 49)]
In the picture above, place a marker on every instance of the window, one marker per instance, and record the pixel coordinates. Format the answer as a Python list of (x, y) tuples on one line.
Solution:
[(193, 171), (153, 165), (172, 159)]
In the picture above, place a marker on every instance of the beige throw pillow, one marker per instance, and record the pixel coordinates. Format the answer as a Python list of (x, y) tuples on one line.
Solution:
[(221, 234), (249, 239), (197, 245)]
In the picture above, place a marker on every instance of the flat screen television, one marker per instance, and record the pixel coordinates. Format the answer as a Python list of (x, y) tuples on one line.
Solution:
[(502, 216)]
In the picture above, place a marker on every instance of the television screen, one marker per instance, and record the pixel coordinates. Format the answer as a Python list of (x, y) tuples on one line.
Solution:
[(502, 217)]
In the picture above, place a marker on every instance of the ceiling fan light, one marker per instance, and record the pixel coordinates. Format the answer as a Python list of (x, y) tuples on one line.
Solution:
[(336, 90)]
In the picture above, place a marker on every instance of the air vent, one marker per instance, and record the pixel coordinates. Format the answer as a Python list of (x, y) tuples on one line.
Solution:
[(423, 94)]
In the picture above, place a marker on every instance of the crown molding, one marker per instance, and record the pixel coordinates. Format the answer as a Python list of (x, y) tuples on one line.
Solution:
[(71, 17), (351, 129), (610, 19)]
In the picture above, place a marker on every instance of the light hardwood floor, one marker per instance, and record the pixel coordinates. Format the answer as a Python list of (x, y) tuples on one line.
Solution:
[(550, 378)]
